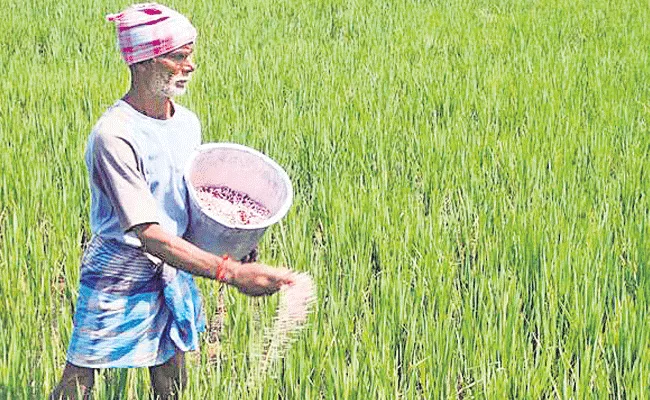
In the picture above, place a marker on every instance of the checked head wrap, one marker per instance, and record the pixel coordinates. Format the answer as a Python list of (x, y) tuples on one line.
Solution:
[(145, 31)]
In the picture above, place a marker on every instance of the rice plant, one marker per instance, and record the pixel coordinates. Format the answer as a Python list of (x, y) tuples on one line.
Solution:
[(471, 193)]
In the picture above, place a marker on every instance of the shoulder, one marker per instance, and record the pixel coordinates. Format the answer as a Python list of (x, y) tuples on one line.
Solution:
[(112, 130), (187, 115), (111, 146), (189, 122)]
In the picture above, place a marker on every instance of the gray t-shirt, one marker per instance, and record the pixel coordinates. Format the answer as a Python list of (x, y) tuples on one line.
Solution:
[(136, 166)]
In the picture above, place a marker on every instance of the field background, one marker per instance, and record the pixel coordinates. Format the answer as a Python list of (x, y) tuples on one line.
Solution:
[(471, 186)]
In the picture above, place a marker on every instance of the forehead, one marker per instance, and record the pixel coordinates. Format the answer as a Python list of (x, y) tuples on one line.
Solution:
[(186, 49)]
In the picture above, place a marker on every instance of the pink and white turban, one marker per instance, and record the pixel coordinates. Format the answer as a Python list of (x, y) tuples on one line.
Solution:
[(145, 31)]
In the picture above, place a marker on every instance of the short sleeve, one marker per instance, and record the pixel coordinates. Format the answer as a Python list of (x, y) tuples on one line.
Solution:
[(116, 173)]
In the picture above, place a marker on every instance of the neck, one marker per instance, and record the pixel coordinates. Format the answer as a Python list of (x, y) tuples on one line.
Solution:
[(148, 103)]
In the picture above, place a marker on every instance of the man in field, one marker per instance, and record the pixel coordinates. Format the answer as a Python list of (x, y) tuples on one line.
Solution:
[(138, 305)]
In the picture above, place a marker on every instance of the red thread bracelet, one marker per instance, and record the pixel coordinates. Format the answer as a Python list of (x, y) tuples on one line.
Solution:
[(221, 273)]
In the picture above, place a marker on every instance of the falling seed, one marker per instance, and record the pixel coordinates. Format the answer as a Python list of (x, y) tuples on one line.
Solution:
[(296, 303)]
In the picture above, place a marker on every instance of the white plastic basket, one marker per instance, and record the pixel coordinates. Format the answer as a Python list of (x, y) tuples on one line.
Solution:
[(243, 169)]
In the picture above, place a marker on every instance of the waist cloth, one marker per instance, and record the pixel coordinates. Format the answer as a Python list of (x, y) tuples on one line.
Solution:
[(131, 312)]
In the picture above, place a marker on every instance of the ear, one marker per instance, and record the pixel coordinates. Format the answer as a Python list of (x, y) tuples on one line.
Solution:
[(142, 66)]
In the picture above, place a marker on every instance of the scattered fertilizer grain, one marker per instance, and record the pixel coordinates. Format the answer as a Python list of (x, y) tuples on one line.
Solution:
[(294, 306), (234, 207)]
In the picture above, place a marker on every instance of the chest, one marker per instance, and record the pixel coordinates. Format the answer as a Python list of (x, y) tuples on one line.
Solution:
[(163, 155)]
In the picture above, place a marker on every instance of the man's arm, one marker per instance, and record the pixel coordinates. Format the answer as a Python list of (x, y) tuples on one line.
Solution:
[(115, 170), (252, 279)]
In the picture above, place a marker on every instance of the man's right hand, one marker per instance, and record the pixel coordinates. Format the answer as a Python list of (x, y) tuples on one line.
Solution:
[(254, 279)]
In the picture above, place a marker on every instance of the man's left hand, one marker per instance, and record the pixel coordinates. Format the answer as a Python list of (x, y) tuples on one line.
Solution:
[(251, 257)]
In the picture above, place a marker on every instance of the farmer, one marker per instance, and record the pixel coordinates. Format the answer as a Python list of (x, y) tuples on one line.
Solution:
[(138, 305)]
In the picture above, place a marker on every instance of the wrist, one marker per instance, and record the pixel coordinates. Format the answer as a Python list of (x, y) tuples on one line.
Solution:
[(224, 271)]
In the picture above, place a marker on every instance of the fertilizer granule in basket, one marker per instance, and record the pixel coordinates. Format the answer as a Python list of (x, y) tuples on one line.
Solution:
[(231, 205)]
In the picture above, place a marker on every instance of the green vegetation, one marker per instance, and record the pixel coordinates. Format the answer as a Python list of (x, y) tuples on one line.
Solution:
[(471, 192)]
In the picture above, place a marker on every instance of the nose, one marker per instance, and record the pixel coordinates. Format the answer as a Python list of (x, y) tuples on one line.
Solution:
[(188, 66)]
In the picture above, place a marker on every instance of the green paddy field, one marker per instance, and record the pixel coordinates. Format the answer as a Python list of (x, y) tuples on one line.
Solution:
[(471, 192)]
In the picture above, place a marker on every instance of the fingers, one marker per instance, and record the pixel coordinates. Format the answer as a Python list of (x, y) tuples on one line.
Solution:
[(273, 282), (250, 257), (262, 280), (280, 276), (285, 277)]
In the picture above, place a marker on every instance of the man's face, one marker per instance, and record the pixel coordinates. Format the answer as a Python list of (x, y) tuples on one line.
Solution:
[(172, 71)]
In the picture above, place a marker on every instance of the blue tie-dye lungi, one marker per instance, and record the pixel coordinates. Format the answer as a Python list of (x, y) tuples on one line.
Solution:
[(131, 312)]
